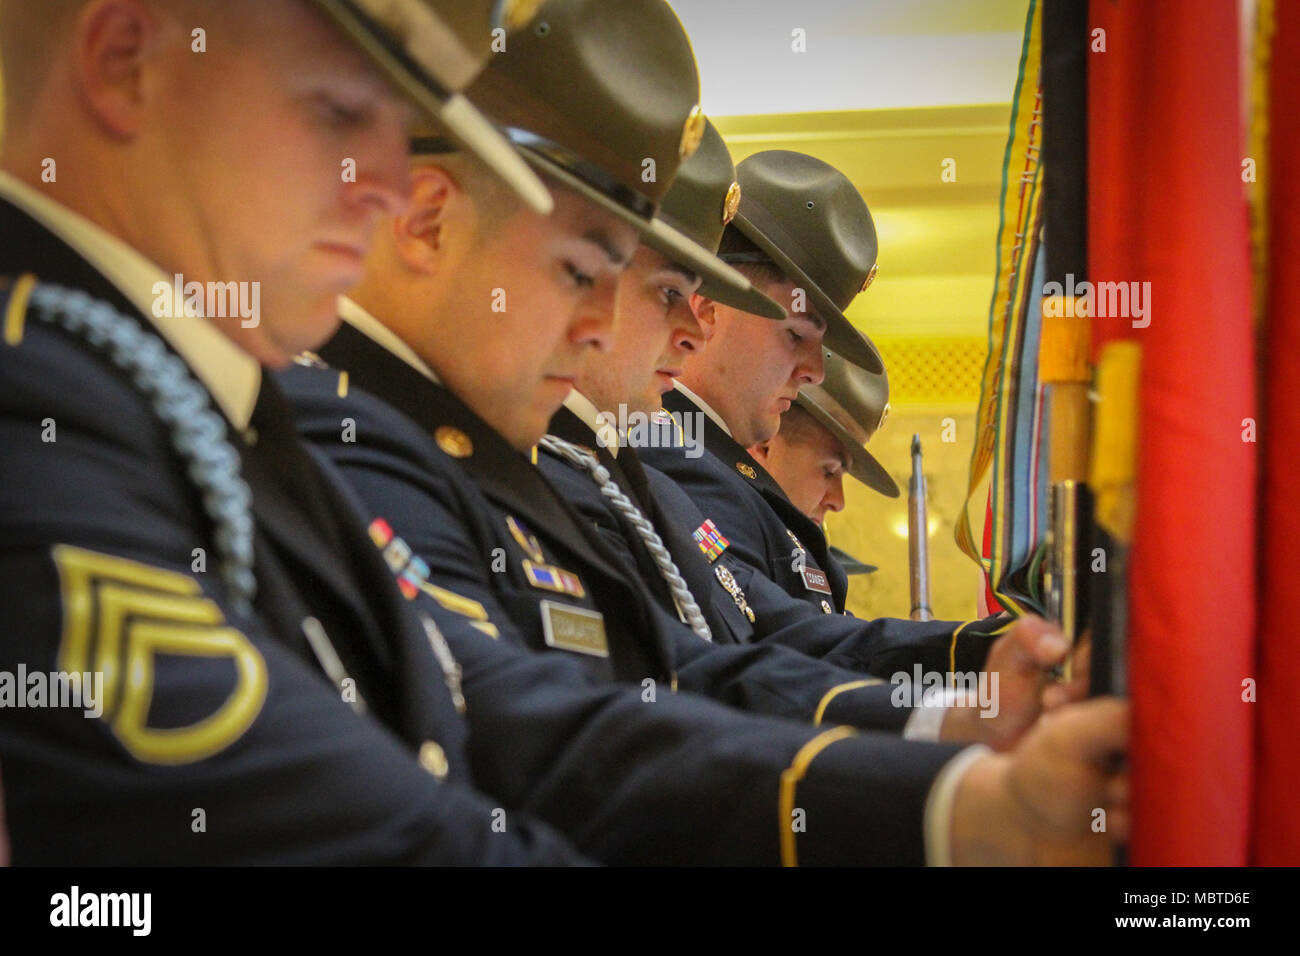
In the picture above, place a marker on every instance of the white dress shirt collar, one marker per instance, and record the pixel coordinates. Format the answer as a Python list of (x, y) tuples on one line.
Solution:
[(703, 406), (369, 326), (586, 410)]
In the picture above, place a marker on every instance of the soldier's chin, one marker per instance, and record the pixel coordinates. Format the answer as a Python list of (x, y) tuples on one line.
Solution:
[(305, 329), (767, 428), (524, 436)]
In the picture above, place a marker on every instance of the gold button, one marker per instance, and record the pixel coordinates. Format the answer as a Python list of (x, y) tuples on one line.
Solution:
[(871, 277), (517, 13), (692, 132), (434, 759), (826, 608), (731, 205), (746, 470), (454, 442)]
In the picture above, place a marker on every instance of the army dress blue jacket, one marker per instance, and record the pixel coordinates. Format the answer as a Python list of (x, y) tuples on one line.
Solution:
[(221, 738), (467, 524), (319, 720), (749, 532), (523, 553)]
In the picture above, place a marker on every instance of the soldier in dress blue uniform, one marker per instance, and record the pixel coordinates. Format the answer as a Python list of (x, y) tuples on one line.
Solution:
[(823, 437), (803, 234), (165, 529), (462, 340), (654, 330)]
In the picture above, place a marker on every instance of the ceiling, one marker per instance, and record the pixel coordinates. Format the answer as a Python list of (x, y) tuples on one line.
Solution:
[(859, 54), (887, 91)]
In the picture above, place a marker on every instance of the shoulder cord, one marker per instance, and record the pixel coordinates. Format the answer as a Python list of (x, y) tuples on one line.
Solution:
[(654, 544), (198, 433)]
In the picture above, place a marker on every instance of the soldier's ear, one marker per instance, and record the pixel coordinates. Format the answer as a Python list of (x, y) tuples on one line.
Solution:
[(705, 310), (760, 451), (114, 46), (419, 234)]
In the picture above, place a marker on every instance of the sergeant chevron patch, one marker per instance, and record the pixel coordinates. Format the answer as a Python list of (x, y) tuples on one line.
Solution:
[(119, 617)]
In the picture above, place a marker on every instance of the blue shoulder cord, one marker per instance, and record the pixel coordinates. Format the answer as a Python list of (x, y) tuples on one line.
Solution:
[(197, 432)]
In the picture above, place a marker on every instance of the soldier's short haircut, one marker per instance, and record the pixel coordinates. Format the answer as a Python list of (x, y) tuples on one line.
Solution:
[(494, 201), (29, 34), (30, 31)]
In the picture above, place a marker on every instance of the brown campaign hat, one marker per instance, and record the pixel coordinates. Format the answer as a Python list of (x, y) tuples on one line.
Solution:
[(432, 50), (603, 96), (701, 203), (852, 404), (850, 564), (811, 222)]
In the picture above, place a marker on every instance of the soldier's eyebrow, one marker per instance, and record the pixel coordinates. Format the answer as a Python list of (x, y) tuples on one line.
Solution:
[(687, 274), (817, 321), (600, 238)]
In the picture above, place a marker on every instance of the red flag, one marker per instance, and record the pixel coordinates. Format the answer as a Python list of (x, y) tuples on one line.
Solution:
[(1277, 826), (989, 604), (1167, 207)]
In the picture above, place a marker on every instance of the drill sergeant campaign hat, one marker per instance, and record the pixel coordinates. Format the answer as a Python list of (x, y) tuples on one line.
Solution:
[(809, 220), (852, 404), (604, 97), (701, 203), (432, 50)]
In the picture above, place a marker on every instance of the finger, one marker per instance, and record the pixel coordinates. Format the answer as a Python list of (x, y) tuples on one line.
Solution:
[(1032, 645), (1083, 656), (1056, 696), (1096, 730), (1044, 642), (1119, 824), (1076, 688)]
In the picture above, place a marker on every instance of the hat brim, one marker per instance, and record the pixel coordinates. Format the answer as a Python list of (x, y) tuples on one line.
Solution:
[(850, 564), (661, 237), (864, 467), (461, 119), (862, 464), (752, 300), (840, 333)]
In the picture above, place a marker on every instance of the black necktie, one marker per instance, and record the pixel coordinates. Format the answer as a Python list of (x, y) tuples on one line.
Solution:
[(279, 450)]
